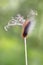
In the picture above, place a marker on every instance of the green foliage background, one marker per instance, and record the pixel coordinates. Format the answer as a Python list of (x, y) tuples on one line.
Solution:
[(11, 42)]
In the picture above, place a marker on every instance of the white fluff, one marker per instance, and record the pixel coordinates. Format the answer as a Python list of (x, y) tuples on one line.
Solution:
[(31, 27)]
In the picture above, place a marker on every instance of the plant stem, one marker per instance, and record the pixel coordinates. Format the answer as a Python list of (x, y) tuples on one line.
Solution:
[(25, 51)]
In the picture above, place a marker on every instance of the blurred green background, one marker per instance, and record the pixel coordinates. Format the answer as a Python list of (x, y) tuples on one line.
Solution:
[(11, 42)]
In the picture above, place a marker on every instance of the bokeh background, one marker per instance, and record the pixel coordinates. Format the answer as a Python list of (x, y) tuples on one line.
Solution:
[(11, 42)]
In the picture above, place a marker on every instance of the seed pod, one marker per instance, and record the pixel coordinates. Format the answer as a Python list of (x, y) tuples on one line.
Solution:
[(25, 28)]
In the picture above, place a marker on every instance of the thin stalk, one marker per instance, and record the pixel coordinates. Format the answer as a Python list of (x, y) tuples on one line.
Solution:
[(25, 51)]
